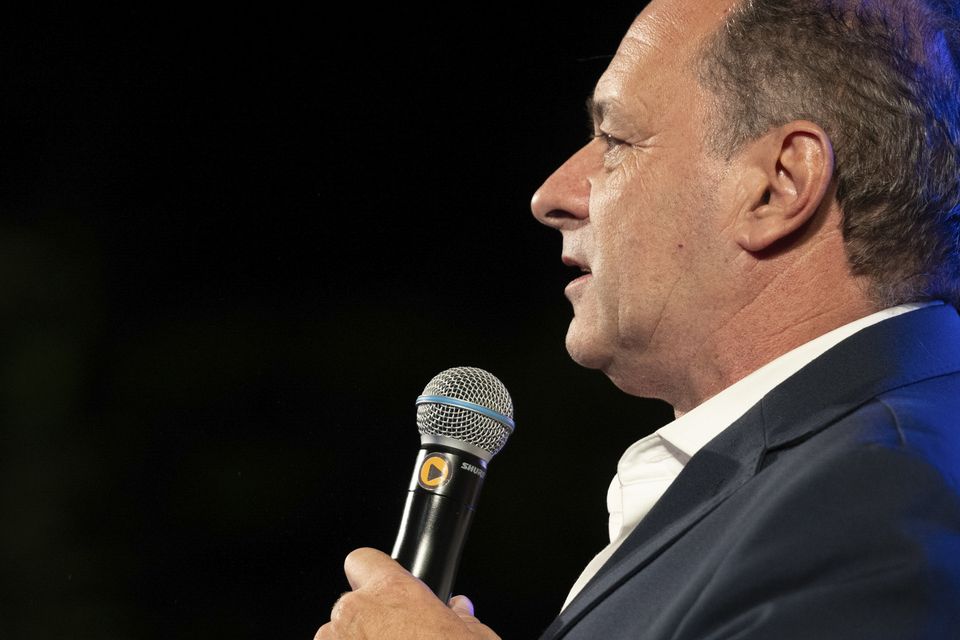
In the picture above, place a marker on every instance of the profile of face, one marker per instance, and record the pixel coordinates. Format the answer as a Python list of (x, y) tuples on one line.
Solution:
[(643, 206)]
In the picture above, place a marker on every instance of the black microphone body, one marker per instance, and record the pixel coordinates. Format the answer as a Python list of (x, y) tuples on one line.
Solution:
[(464, 417), (437, 515)]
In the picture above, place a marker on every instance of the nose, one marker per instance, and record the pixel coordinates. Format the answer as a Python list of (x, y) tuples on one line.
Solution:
[(562, 201)]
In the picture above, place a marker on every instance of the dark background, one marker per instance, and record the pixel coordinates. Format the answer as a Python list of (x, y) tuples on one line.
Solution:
[(234, 247)]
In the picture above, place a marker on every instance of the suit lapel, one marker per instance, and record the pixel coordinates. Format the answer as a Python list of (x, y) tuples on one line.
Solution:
[(718, 470), (878, 359), (905, 349)]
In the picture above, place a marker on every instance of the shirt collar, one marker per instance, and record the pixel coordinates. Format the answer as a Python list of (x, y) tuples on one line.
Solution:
[(690, 432)]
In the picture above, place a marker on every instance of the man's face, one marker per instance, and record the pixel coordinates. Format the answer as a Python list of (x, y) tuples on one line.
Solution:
[(641, 206)]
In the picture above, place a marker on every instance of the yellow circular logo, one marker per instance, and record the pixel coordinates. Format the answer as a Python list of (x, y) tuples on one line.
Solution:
[(434, 472)]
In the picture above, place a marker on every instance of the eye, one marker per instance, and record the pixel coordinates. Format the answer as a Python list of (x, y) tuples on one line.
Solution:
[(612, 142)]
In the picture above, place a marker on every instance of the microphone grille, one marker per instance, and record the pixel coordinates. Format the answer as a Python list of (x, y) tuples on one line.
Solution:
[(467, 404)]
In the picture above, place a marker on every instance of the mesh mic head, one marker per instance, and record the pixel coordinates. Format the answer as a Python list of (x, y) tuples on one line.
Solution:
[(468, 405)]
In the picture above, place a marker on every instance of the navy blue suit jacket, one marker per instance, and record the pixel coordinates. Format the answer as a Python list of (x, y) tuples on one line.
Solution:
[(830, 510)]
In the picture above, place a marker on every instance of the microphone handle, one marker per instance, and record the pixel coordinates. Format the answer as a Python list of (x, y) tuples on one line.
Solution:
[(440, 505)]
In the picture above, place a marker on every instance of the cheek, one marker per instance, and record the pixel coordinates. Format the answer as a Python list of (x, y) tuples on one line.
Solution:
[(636, 232), (615, 205)]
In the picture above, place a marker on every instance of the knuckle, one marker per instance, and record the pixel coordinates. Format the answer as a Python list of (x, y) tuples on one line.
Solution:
[(353, 556), (345, 609), (394, 583), (358, 556)]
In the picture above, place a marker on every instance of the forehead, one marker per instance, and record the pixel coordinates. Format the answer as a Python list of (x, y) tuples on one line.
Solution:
[(660, 45)]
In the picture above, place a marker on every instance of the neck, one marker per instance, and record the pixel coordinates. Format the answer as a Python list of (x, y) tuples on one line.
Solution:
[(792, 301)]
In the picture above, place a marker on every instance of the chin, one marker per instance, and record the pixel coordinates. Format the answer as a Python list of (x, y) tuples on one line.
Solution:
[(585, 349), (630, 384), (589, 350)]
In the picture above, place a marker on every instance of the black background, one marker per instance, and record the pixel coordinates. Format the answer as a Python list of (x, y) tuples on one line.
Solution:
[(234, 247)]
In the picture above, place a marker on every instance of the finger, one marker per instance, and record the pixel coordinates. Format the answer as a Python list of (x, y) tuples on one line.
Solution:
[(335, 610), (363, 565), (461, 605)]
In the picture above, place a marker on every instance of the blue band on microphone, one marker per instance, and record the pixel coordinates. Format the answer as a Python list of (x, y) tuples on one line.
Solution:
[(469, 406)]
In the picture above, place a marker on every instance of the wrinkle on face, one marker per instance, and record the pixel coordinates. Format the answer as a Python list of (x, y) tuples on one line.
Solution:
[(656, 230), (675, 308), (662, 311)]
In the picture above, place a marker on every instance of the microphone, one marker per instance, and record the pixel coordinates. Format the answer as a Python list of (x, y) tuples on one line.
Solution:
[(464, 416)]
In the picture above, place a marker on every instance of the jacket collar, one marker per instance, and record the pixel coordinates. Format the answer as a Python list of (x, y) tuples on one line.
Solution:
[(878, 359)]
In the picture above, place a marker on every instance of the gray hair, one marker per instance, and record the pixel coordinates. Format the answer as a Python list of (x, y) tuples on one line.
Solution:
[(881, 78)]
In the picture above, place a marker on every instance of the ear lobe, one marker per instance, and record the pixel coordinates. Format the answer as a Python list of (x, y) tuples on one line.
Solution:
[(792, 168)]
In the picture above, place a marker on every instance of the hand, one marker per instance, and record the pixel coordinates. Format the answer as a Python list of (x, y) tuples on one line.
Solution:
[(387, 602)]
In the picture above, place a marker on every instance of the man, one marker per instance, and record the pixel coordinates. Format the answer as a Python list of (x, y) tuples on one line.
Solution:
[(767, 221)]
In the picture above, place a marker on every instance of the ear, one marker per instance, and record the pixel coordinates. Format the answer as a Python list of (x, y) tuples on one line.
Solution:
[(789, 173)]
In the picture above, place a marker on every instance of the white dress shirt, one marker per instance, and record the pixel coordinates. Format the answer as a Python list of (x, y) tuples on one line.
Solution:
[(649, 465)]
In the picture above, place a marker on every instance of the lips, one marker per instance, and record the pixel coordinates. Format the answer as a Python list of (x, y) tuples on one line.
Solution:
[(584, 269), (577, 263)]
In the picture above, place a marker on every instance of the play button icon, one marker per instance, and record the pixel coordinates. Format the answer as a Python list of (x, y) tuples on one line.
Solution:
[(434, 472)]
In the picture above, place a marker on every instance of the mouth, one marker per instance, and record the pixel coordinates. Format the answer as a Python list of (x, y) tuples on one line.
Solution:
[(579, 265), (584, 274), (582, 270), (572, 261)]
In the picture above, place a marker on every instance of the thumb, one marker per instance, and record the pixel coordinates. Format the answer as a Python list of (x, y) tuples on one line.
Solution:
[(461, 606)]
